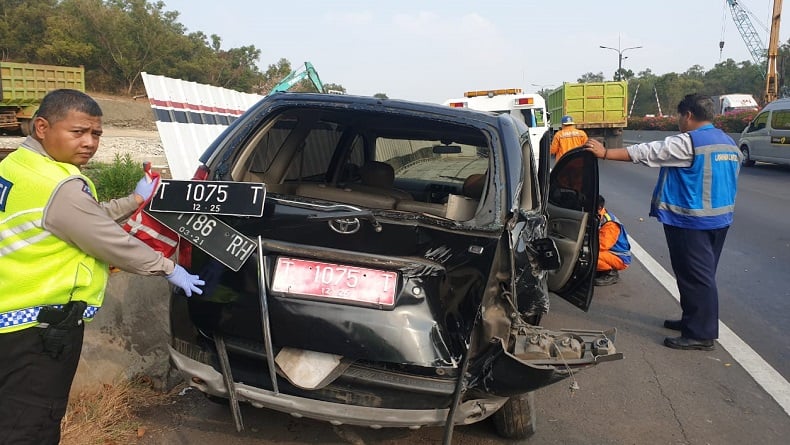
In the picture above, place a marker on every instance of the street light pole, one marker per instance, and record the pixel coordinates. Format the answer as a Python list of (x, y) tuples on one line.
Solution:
[(619, 74)]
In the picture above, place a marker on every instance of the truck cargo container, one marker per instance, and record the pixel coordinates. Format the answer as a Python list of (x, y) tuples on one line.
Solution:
[(598, 108), (24, 85), (733, 103)]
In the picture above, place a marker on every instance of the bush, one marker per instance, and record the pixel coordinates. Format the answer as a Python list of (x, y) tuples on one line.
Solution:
[(661, 123), (114, 180), (733, 122)]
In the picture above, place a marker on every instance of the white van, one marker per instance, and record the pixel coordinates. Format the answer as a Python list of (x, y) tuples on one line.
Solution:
[(767, 137), (529, 108)]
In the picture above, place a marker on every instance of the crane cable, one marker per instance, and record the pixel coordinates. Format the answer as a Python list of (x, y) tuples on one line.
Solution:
[(723, 27)]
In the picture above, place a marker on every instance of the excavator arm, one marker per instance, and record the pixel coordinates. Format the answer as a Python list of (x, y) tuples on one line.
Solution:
[(296, 76)]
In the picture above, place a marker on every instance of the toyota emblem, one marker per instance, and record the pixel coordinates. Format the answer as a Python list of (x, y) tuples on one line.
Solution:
[(345, 226)]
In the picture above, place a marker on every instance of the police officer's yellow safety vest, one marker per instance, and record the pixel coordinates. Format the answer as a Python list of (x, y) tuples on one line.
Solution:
[(37, 268)]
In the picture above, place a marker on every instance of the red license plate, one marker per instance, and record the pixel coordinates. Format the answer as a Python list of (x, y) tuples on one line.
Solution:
[(335, 281)]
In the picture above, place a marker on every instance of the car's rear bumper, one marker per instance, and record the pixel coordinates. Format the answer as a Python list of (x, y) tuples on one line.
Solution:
[(209, 381)]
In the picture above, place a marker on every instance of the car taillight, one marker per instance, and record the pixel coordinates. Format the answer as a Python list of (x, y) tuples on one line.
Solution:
[(457, 104), (201, 174), (184, 247), (524, 101), (184, 254)]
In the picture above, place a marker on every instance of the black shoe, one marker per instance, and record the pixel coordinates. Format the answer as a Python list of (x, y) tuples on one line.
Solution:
[(675, 325), (607, 278), (688, 343)]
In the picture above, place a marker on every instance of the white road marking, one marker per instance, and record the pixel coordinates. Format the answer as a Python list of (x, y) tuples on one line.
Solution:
[(763, 373)]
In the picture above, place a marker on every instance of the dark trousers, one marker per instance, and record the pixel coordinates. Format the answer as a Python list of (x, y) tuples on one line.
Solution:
[(695, 257), (34, 386)]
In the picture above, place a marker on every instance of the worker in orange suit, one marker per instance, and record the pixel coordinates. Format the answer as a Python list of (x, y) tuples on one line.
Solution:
[(568, 138), (614, 250)]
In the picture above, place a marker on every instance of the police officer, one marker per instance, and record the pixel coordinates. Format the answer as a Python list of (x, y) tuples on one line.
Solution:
[(695, 199), (56, 242)]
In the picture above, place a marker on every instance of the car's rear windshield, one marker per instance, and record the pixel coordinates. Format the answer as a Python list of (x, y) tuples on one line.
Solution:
[(331, 147)]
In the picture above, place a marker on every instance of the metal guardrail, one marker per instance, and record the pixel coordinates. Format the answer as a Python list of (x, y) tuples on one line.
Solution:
[(637, 136)]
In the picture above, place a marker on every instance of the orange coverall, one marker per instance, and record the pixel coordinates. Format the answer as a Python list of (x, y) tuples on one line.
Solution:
[(607, 237), (568, 138)]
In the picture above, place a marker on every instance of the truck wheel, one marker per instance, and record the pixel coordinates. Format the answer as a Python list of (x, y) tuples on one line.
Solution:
[(747, 161), (24, 127), (516, 418), (613, 141)]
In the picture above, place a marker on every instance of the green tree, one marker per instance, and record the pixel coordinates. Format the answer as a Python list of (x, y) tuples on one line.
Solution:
[(190, 58), (131, 36), (337, 87), (23, 28), (623, 74), (590, 77), (273, 75), (236, 67), (380, 96)]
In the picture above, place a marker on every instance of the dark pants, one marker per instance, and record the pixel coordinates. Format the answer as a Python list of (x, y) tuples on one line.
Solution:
[(34, 386), (695, 257)]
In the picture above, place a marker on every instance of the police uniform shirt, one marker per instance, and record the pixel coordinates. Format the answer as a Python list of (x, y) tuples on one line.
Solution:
[(74, 216)]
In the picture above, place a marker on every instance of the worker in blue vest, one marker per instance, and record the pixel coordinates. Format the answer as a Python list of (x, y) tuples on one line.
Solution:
[(56, 242), (694, 199), (614, 250)]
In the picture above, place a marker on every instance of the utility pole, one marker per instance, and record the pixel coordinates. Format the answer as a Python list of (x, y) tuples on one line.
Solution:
[(660, 114), (619, 73)]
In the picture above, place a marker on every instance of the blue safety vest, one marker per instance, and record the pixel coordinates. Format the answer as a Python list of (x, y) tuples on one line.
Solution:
[(701, 196), (621, 248)]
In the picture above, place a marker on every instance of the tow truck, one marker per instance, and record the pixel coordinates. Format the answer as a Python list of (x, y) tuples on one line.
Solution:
[(529, 108)]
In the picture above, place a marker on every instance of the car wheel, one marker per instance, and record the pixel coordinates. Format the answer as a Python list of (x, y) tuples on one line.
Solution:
[(516, 418), (747, 161)]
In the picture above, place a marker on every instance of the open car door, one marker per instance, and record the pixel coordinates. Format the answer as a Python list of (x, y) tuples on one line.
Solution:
[(572, 214)]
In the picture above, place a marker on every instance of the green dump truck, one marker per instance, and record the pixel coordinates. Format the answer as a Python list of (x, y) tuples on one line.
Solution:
[(598, 108), (23, 85)]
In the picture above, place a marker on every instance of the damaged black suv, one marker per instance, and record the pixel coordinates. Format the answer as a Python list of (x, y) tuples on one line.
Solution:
[(403, 259)]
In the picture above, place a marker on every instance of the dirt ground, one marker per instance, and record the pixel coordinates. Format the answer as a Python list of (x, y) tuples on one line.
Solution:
[(126, 113)]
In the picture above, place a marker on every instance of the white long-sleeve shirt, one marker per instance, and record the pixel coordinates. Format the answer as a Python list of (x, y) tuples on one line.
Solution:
[(673, 151)]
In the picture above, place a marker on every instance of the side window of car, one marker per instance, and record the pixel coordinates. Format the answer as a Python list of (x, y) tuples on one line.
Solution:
[(759, 122), (780, 120), (567, 188)]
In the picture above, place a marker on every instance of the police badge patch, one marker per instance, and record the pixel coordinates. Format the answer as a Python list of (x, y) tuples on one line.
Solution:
[(5, 190)]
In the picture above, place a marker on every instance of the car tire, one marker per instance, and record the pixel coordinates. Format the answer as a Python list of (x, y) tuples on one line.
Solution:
[(516, 418), (613, 141), (747, 161)]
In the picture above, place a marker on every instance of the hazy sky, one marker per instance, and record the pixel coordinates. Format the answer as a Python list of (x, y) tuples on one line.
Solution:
[(433, 50)]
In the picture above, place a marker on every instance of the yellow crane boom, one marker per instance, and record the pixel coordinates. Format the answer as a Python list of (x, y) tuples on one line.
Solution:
[(771, 78)]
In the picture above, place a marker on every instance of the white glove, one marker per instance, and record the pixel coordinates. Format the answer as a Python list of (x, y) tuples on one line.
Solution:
[(144, 187), (186, 281)]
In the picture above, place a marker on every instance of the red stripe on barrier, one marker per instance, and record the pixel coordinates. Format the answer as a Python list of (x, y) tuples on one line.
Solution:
[(191, 107)]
